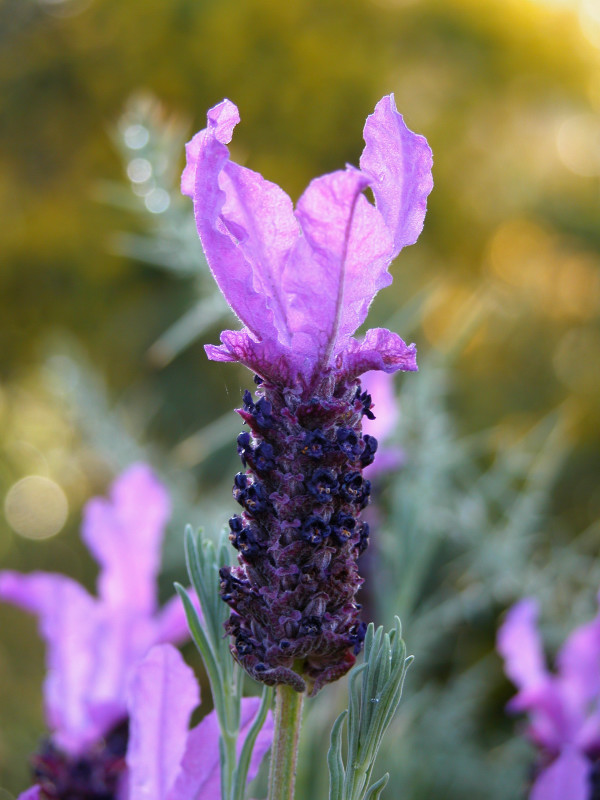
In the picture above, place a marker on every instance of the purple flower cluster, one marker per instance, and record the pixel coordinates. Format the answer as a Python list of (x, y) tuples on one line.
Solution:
[(301, 280), (563, 708)]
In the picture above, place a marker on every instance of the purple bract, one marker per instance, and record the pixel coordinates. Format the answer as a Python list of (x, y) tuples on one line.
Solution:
[(301, 281), (563, 708)]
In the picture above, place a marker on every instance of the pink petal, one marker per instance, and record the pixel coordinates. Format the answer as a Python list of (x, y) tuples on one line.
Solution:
[(163, 694), (338, 267), (380, 349), (170, 625), (200, 776), (30, 794), (518, 642), (125, 534), (579, 663), (398, 162), (68, 624), (380, 385), (222, 207), (567, 778), (268, 359)]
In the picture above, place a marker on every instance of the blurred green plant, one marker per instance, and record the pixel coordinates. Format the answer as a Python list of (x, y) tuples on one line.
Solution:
[(150, 143)]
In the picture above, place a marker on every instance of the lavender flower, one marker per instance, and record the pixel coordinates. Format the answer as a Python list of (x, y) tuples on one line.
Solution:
[(563, 709), (95, 642), (165, 760), (301, 282)]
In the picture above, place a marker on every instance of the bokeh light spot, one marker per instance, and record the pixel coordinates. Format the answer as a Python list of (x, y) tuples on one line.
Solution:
[(157, 201), (36, 507), (136, 136), (139, 170)]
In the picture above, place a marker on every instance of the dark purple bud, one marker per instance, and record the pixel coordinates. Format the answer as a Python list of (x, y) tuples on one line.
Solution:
[(366, 402), (241, 480), (243, 645), (248, 544), (349, 442), (357, 636), (314, 445), (264, 457), (244, 446), (236, 524), (368, 454), (355, 489), (261, 411), (323, 485), (254, 498), (342, 527), (311, 626), (314, 530), (363, 538)]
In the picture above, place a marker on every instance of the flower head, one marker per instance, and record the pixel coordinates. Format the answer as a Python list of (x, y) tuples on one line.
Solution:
[(93, 643), (563, 708), (301, 281)]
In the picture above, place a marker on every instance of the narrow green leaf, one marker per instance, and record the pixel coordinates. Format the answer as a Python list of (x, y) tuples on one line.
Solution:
[(335, 761), (240, 774), (377, 788)]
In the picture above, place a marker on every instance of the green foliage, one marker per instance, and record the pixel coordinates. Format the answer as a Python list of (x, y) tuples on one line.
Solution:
[(375, 691)]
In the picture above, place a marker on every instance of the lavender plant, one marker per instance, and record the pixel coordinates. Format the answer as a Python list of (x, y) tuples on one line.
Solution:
[(301, 282)]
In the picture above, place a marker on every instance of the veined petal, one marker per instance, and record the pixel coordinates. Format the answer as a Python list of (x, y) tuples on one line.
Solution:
[(339, 266), (380, 349), (67, 621), (268, 359), (222, 208), (200, 775), (398, 162), (163, 694), (125, 534), (567, 778)]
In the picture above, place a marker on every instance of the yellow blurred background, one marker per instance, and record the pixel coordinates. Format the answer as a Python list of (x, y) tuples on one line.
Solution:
[(507, 269)]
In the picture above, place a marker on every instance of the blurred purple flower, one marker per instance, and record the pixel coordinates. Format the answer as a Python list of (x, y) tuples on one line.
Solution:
[(166, 760), (302, 281), (380, 385), (93, 643), (563, 708)]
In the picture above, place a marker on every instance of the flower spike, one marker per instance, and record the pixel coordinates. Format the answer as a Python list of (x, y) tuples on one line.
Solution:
[(301, 281)]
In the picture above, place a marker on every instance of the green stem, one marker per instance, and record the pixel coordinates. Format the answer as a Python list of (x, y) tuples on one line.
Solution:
[(288, 718)]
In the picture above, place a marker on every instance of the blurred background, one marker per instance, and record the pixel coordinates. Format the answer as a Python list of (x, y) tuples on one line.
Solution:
[(106, 302)]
